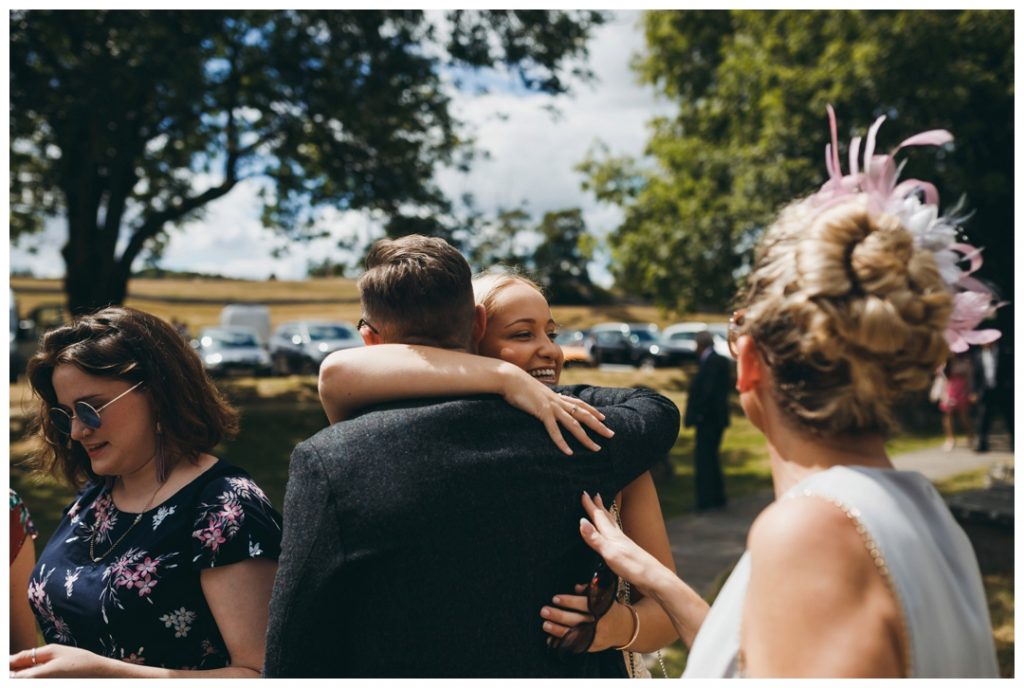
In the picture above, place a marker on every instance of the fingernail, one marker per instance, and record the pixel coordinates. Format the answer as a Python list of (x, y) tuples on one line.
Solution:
[(556, 599), (611, 433), (545, 612), (586, 494), (547, 626)]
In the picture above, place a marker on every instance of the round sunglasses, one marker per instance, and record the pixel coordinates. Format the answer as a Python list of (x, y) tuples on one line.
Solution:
[(86, 414)]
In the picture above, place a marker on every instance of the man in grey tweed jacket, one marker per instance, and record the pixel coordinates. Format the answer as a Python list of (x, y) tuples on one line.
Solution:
[(422, 538)]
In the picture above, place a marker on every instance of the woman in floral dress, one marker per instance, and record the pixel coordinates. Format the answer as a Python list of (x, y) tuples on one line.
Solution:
[(164, 563)]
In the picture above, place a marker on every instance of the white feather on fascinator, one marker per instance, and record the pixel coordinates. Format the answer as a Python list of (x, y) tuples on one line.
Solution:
[(915, 203)]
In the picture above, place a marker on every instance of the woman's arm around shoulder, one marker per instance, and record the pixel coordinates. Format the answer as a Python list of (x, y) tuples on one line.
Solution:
[(355, 378), (817, 604)]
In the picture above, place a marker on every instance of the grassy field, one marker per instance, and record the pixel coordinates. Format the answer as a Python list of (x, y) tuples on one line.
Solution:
[(331, 298)]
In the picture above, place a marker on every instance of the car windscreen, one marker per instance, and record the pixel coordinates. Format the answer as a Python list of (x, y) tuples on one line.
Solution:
[(229, 340), (320, 333), (644, 336)]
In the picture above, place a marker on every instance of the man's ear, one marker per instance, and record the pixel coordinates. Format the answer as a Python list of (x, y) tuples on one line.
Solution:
[(748, 364), (370, 337), (479, 324)]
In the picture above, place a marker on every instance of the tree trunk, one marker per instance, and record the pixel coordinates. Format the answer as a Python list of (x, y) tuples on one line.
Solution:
[(91, 280)]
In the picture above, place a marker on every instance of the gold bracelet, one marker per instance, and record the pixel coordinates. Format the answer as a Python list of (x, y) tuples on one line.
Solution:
[(636, 625)]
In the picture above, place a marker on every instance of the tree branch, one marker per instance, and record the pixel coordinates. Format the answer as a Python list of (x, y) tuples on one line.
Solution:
[(155, 222)]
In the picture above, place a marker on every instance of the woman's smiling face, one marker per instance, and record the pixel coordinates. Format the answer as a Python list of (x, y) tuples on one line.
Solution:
[(126, 438), (520, 330)]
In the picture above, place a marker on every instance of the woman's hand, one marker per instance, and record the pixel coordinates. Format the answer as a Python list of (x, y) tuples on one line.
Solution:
[(614, 629), (61, 661), (623, 556), (553, 409)]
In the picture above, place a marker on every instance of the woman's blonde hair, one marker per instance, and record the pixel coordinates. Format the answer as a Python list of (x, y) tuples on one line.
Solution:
[(492, 281), (848, 313)]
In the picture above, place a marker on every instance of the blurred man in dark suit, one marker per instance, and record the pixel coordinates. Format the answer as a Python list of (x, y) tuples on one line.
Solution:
[(993, 388), (707, 409)]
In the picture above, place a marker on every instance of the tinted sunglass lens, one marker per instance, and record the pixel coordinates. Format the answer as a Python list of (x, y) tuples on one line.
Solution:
[(88, 416), (576, 640), (61, 420)]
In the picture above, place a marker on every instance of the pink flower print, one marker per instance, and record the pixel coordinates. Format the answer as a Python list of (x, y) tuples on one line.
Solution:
[(212, 537), (146, 568), (231, 512), (135, 657), (146, 586)]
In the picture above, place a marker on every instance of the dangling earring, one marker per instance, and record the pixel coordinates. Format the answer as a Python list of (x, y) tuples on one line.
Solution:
[(68, 444), (161, 463)]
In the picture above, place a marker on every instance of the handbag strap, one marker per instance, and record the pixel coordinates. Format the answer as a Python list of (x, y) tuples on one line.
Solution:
[(625, 594)]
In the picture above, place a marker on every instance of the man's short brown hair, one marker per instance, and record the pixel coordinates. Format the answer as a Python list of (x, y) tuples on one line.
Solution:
[(418, 290)]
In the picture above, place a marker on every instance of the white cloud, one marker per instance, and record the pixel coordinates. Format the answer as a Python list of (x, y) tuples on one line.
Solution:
[(532, 156)]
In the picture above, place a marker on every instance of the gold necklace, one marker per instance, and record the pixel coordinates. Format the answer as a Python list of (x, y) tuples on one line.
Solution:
[(138, 517)]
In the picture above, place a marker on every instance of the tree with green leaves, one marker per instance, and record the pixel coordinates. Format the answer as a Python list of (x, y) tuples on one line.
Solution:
[(749, 135), (560, 261), (129, 123)]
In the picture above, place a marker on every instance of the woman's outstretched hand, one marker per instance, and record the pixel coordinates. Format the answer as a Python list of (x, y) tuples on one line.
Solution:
[(553, 409), (623, 556)]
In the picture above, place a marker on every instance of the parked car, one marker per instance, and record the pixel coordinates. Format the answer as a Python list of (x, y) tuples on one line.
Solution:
[(228, 350), (256, 316), (573, 343), (630, 343), (301, 345), (27, 332), (679, 341)]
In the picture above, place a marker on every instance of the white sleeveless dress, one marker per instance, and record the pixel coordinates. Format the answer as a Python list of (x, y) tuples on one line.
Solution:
[(922, 551)]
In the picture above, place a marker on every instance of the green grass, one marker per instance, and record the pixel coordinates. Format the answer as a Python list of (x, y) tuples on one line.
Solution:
[(962, 482), (999, 592)]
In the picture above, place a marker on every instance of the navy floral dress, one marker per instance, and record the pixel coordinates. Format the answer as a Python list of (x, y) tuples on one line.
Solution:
[(142, 603)]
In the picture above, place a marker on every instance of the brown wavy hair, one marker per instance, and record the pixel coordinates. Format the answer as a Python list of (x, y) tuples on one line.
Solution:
[(134, 346), (849, 315)]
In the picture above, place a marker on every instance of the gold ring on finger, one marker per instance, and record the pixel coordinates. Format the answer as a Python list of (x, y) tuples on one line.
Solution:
[(34, 656)]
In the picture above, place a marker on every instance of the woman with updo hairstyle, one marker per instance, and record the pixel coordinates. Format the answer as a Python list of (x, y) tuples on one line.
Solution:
[(163, 564), (857, 568)]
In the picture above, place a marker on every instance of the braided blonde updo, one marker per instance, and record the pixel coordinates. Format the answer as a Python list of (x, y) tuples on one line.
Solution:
[(848, 314)]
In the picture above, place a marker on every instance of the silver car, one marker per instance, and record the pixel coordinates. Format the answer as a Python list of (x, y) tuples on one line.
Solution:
[(228, 350), (301, 345)]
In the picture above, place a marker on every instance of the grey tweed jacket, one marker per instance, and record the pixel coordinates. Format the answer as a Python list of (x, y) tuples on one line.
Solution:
[(421, 539)]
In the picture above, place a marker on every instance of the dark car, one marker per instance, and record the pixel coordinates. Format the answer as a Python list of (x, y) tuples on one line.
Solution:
[(301, 345), (232, 350), (27, 332), (634, 344)]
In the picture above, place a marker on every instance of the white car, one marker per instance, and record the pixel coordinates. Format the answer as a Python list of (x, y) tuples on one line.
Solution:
[(679, 341)]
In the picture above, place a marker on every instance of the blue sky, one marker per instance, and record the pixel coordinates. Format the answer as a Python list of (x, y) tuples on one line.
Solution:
[(532, 155)]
